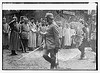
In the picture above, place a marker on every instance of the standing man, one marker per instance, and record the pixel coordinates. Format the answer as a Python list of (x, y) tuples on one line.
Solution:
[(14, 36), (25, 33), (52, 41), (5, 34)]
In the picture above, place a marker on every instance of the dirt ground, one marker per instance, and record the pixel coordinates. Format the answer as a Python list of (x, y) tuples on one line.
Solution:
[(68, 60)]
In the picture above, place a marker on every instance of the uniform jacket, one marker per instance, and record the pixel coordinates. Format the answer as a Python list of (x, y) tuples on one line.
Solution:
[(52, 36), (14, 26), (24, 31)]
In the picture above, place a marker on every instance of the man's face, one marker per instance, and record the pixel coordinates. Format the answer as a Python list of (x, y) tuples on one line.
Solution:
[(49, 20)]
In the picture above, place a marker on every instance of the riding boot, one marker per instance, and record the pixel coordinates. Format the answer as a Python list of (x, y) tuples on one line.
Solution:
[(13, 52), (53, 64), (46, 57)]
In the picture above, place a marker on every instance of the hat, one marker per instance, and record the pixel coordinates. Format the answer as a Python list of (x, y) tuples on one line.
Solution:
[(49, 15)]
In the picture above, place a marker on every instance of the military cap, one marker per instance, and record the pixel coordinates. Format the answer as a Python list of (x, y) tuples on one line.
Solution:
[(49, 15)]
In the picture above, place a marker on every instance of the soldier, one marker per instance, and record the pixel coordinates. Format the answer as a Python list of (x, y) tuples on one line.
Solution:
[(25, 33), (14, 36), (85, 41), (52, 41)]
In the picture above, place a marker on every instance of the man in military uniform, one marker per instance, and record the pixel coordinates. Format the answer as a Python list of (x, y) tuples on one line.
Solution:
[(14, 36), (85, 42), (25, 33), (52, 40)]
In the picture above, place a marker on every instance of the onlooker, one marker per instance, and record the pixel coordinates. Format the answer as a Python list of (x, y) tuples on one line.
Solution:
[(32, 35), (5, 34), (25, 33)]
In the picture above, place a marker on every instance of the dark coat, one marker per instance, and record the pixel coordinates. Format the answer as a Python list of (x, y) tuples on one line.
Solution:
[(14, 35)]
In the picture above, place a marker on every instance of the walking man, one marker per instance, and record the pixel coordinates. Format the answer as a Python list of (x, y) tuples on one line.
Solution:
[(85, 42), (52, 41)]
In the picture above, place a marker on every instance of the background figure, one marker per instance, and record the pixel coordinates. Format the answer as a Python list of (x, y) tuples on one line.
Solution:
[(43, 29), (39, 36), (5, 34), (93, 43), (20, 39), (60, 33), (85, 41), (72, 33), (14, 36), (32, 35), (67, 40), (25, 33), (37, 26)]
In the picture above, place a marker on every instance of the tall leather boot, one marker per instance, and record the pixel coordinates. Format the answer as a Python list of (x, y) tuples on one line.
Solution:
[(47, 58), (53, 64), (13, 52)]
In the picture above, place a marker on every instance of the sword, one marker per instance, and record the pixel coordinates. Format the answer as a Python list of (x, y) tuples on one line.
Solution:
[(32, 52)]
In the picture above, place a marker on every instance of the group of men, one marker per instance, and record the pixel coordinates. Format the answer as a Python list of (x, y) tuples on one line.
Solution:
[(50, 37)]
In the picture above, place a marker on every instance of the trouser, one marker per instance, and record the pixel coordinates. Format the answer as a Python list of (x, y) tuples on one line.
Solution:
[(36, 40), (52, 58), (25, 44), (84, 44), (93, 45), (60, 42)]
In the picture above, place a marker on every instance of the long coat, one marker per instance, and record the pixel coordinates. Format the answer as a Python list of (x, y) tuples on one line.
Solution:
[(52, 37), (14, 36)]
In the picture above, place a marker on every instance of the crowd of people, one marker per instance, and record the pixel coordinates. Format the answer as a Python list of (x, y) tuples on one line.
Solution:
[(28, 35)]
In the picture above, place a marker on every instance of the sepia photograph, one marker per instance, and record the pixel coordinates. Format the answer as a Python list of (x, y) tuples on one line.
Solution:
[(50, 36)]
